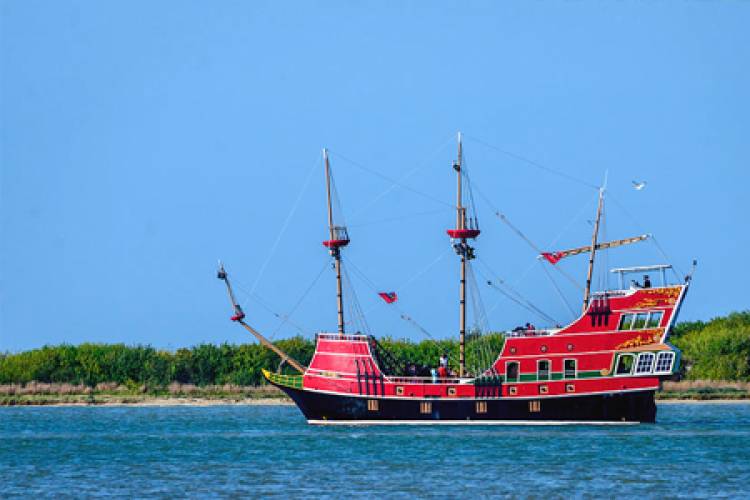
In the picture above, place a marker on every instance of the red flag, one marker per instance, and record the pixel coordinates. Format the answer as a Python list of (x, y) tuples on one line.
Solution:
[(552, 257), (389, 297)]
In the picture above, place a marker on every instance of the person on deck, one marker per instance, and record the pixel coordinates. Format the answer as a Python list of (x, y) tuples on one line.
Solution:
[(646, 281), (444, 360)]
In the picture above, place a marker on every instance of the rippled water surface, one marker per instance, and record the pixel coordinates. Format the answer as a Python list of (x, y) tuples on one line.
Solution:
[(694, 450)]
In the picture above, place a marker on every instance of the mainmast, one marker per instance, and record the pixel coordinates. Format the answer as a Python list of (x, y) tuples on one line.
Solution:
[(465, 229), (592, 254), (338, 238)]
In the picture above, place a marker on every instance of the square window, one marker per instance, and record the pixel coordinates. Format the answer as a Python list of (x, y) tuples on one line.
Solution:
[(513, 390), (372, 404), (543, 389), (664, 362), (425, 407), (481, 407), (625, 364), (645, 363), (535, 406), (399, 390), (451, 391), (570, 388), (626, 321), (640, 321), (654, 319)]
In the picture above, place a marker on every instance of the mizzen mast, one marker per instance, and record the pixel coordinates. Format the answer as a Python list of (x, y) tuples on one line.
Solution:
[(592, 255), (466, 228), (338, 238)]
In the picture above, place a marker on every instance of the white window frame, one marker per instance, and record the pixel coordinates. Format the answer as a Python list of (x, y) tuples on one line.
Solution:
[(669, 354), (652, 314), (645, 321), (632, 367), (518, 371), (650, 367), (622, 319), (575, 368), (549, 369)]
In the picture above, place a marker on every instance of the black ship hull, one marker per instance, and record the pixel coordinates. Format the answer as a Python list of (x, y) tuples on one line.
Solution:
[(621, 407)]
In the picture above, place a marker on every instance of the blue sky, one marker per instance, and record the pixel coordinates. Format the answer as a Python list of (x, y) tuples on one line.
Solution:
[(142, 141)]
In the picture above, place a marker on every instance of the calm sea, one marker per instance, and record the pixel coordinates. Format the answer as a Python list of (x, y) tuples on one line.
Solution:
[(694, 450)]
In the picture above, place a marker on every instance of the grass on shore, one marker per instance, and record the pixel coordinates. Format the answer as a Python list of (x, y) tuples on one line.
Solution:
[(50, 394), (47, 394)]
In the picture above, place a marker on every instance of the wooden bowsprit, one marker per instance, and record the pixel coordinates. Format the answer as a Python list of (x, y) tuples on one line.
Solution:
[(239, 317)]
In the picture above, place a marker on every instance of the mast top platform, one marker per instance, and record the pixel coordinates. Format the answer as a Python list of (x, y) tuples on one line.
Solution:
[(462, 234), (340, 238)]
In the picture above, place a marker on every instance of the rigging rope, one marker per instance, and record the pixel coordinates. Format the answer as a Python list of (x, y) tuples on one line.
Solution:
[(557, 289), (255, 297), (518, 298), (400, 218), (677, 272), (533, 163), (284, 226), (361, 275), (391, 180), (428, 160), (299, 301)]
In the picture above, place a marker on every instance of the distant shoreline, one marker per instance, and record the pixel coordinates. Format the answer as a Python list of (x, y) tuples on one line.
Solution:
[(83, 400), (36, 394)]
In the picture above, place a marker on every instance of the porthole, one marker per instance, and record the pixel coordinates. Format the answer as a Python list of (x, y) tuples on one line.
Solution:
[(544, 348), (570, 347), (512, 350)]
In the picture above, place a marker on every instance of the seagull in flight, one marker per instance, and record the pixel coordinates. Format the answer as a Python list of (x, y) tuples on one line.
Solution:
[(639, 185)]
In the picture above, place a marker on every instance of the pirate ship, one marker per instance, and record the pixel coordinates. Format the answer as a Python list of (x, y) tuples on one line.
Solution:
[(602, 368)]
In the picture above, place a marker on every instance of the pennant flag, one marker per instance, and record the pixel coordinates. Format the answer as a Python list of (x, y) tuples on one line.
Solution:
[(389, 297), (553, 257)]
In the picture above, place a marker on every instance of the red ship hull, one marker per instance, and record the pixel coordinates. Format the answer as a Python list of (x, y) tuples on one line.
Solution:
[(602, 368)]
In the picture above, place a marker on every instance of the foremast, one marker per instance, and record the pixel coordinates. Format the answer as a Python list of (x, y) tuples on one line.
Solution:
[(466, 228)]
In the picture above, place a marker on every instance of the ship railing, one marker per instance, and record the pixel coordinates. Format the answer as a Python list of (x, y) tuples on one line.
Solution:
[(339, 336), (425, 380), (529, 333)]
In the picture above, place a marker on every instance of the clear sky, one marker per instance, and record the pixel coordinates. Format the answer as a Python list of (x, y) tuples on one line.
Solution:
[(141, 141)]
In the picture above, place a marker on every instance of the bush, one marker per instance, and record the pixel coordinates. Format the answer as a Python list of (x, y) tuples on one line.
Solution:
[(717, 350)]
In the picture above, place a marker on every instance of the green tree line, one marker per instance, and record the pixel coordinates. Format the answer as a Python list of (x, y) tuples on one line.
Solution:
[(715, 350)]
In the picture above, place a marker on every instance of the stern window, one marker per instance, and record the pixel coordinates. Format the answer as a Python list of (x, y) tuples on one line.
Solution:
[(654, 320), (664, 362), (624, 364), (645, 363), (626, 321), (640, 321)]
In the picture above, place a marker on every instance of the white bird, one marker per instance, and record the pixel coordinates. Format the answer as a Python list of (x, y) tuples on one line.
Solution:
[(639, 185)]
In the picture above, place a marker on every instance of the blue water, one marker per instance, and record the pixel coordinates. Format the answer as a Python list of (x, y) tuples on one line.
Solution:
[(694, 450)]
